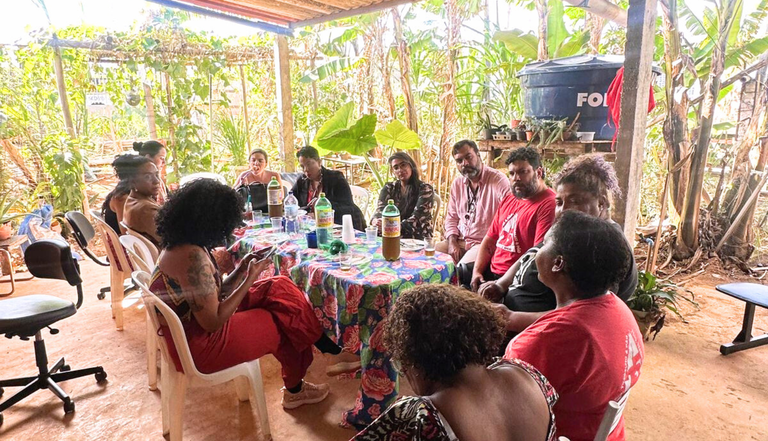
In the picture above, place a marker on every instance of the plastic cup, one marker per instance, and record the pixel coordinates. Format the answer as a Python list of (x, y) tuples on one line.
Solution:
[(371, 234), (429, 246), (256, 217), (277, 224), (311, 239), (344, 260)]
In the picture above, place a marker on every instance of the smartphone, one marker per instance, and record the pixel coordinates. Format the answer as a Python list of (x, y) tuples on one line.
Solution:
[(265, 253)]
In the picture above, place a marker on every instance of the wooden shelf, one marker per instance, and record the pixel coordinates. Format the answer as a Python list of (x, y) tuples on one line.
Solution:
[(561, 148)]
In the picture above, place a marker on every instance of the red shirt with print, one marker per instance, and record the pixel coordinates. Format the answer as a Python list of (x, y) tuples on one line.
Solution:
[(591, 352), (518, 225)]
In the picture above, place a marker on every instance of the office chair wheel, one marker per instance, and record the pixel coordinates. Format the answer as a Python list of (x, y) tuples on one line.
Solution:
[(69, 406), (65, 368), (101, 296), (101, 376)]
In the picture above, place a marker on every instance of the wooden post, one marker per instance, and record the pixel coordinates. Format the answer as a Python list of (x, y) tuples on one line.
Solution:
[(59, 69), (151, 125), (284, 102), (245, 111), (634, 110)]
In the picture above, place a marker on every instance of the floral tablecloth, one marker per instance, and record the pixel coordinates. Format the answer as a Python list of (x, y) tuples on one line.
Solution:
[(351, 304)]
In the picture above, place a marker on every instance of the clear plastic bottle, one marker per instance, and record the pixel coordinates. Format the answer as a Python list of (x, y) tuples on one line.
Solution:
[(390, 231), (291, 214), (248, 208), (323, 220), (275, 198)]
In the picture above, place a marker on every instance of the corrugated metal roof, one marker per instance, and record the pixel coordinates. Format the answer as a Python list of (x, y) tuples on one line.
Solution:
[(281, 16)]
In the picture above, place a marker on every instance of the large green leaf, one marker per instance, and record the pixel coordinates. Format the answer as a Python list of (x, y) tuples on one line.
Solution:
[(340, 120), (357, 139), (526, 45), (575, 45), (398, 136), (556, 31), (331, 67)]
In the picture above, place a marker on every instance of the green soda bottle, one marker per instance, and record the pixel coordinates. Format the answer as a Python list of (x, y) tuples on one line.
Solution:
[(390, 231), (323, 220)]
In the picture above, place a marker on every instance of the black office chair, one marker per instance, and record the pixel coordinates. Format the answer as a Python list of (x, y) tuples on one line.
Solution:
[(84, 232), (26, 316)]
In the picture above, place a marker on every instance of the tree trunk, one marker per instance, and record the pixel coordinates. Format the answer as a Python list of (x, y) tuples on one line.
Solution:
[(756, 127), (675, 129), (404, 56), (450, 122), (543, 11), (688, 234), (386, 69)]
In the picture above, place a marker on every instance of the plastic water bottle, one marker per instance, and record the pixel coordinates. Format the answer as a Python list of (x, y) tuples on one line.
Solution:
[(291, 214), (324, 220), (248, 208)]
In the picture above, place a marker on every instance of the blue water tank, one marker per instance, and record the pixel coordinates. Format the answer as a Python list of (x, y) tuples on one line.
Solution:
[(565, 87)]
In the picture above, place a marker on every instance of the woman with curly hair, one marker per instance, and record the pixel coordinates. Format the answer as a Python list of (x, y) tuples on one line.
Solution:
[(444, 339), (587, 184), (239, 318), (589, 347)]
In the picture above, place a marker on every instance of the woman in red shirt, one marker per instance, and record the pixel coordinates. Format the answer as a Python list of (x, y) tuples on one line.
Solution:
[(589, 347)]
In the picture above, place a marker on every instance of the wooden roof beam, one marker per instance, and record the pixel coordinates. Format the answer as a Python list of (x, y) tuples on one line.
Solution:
[(350, 13)]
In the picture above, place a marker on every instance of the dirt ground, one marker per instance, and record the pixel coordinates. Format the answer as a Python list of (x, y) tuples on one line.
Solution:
[(687, 390)]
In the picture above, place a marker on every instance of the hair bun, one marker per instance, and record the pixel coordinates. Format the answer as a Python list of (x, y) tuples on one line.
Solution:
[(137, 145)]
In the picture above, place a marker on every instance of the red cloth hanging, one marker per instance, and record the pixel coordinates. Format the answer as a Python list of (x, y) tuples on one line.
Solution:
[(613, 99)]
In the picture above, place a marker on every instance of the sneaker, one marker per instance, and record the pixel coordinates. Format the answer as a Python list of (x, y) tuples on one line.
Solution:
[(343, 363), (309, 394)]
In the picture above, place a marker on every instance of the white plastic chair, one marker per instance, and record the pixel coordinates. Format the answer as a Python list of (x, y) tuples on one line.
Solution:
[(119, 267), (173, 384), (141, 259), (153, 251), (362, 198), (611, 417)]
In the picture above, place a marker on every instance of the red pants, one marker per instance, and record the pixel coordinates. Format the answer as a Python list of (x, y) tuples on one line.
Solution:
[(273, 318)]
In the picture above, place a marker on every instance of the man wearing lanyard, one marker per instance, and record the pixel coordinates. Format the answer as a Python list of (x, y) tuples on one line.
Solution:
[(475, 196)]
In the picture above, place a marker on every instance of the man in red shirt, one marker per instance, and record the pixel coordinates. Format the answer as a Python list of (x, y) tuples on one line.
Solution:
[(589, 348), (522, 220)]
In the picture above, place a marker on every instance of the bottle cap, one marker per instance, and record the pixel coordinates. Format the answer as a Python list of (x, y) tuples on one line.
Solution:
[(391, 202)]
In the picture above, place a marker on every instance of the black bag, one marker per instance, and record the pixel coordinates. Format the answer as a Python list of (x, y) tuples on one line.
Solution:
[(258, 192)]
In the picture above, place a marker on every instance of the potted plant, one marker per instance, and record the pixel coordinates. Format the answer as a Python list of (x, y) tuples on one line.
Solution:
[(487, 129), (650, 301), (532, 129)]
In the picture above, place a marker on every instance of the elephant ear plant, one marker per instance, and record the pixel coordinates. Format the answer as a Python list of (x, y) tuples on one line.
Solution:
[(652, 298)]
